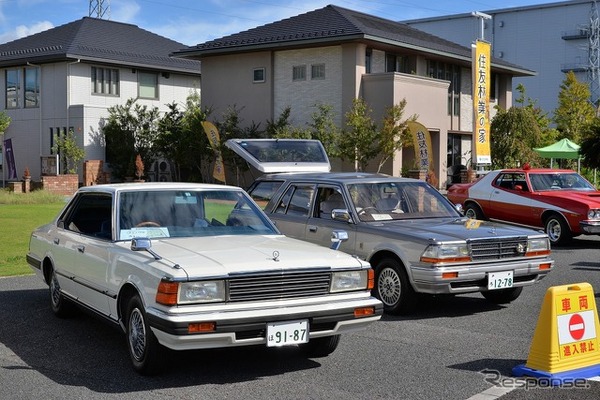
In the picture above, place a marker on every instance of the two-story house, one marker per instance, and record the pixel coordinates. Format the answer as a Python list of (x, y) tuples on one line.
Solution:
[(67, 77), (334, 55)]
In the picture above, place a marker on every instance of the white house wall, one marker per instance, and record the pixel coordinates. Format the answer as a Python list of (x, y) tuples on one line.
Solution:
[(31, 135)]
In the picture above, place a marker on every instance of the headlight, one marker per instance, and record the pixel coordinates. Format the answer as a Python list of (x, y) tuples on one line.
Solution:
[(593, 214), (201, 292), (345, 281), (538, 247), (453, 252)]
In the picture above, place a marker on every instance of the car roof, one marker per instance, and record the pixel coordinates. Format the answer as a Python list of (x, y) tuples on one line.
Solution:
[(537, 170), (335, 177), (120, 187)]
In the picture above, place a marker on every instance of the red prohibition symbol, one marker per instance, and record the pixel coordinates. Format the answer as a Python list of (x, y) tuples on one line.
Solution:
[(576, 326)]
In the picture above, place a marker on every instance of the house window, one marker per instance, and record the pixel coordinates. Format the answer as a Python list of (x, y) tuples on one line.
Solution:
[(147, 85), (448, 72), (32, 87), (368, 60), (299, 73), (396, 63), (105, 81), (258, 75), (13, 88), (18, 79), (317, 71)]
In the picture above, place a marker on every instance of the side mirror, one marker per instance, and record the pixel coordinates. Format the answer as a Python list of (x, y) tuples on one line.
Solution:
[(337, 237), (340, 214), (143, 244), (459, 208)]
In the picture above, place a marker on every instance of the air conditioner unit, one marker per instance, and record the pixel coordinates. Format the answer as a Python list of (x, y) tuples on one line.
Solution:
[(164, 171), (161, 170)]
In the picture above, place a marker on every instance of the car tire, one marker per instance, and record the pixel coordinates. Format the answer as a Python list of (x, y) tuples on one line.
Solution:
[(473, 211), (557, 230), (61, 306), (143, 347), (321, 347), (502, 296), (393, 288)]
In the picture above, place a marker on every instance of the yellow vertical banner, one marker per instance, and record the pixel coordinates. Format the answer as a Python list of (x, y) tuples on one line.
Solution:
[(422, 143), (481, 102), (213, 137)]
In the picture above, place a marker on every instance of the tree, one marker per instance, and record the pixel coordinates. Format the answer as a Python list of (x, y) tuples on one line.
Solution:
[(70, 153), (4, 122), (590, 146), (130, 130), (359, 142), (321, 128), (575, 112), (514, 134), (282, 128), (181, 139), (394, 132), (324, 129), (363, 141), (549, 135), (230, 128)]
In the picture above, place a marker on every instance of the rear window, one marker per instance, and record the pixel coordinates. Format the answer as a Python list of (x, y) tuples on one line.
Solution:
[(262, 192)]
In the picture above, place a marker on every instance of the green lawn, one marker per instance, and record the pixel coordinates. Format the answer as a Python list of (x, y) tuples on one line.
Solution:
[(17, 220), (20, 214)]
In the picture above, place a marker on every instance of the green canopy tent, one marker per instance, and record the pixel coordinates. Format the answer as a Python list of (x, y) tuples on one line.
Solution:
[(562, 149)]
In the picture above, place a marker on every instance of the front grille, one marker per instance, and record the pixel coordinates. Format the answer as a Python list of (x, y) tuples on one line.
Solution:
[(498, 248), (279, 286)]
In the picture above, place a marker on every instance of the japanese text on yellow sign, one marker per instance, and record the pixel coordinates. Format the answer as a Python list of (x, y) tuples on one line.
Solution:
[(576, 325), (481, 102)]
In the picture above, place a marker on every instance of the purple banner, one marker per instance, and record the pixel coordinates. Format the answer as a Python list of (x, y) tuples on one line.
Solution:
[(10, 159)]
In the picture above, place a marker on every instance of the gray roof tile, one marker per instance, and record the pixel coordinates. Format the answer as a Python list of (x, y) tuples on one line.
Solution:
[(336, 24), (98, 40)]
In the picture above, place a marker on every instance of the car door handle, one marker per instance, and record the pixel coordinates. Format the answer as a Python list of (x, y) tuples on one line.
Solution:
[(81, 249), (312, 228)]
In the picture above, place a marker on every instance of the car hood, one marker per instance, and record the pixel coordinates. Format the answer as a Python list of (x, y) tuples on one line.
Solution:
[(592, 199), (224, 255), (448, 229)]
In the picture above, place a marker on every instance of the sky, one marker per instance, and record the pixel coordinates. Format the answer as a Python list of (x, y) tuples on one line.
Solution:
[(196, 21)]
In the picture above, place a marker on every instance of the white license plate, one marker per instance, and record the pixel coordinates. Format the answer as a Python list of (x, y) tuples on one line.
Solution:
[(287, 333), (500, 280)]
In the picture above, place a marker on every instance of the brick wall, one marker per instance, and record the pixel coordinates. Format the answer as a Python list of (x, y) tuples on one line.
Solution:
[(93, 173), (61, 184)]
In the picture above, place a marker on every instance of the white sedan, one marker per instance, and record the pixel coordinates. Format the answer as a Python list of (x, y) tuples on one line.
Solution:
[(194, 266)]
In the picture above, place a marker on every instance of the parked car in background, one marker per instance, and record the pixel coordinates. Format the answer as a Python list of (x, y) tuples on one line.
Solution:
[(561, 202), (411, 234), (195, 266)]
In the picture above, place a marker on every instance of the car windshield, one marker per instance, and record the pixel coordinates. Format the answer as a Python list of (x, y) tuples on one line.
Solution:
[(559, 181), (392, 200), (188, 213)]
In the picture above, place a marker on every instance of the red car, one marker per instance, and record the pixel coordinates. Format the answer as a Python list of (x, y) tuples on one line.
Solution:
[(560, 201)]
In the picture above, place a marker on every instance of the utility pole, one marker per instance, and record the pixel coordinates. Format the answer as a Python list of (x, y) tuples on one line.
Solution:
[(99, 8)]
